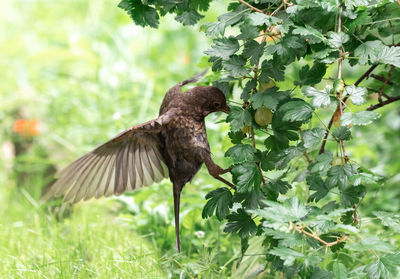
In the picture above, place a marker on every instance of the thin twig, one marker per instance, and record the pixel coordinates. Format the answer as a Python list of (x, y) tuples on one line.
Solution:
[(384, 103), (364, 76), (380, 78), (251, 7)]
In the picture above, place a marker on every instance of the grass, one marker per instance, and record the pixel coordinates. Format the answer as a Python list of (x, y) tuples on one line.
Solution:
[(91, 243)]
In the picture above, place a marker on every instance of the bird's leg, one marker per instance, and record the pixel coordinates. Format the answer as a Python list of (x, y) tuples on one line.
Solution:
[(215, 171), (177, 199)]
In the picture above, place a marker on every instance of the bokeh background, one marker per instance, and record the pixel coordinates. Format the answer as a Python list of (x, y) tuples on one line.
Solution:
[(72, 75)]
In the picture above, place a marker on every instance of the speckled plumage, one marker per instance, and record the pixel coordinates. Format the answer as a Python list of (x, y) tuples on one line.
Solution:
[(174, 144)]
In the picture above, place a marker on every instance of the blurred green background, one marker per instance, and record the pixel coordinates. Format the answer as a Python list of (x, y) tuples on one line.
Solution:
[(72, 75)]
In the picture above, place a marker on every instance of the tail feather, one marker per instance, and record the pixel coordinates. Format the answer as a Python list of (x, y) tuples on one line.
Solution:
[(194, 78)]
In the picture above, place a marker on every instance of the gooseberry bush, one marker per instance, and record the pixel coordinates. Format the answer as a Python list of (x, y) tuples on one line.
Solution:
[(300, 76)]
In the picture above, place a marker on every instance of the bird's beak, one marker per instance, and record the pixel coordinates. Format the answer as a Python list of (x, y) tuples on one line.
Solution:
[(226, 109)]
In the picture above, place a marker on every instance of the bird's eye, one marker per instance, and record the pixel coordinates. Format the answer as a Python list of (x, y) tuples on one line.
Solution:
[(217, 105)]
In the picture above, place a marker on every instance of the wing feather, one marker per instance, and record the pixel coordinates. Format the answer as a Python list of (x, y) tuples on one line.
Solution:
[(127, 162)]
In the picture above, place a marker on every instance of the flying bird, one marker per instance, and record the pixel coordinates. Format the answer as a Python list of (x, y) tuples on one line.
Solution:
[(174, 144)]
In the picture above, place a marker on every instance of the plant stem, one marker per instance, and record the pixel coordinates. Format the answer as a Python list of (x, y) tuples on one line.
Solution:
[(251, 7), (364, 76)]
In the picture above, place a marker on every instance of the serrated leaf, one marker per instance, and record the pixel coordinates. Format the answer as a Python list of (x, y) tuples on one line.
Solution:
[(290, 210), (213, 29), (351, 195), (258, 19), (241, 223), (236, 65), (287, 155), (339, 175), (241, 152), (311, 76), (219, 200), (223, 47), (371, 243), (317, 184), (322, 162), (268, 160), (312, 138), (319, 98), (142, 15), (279, 186), (363, 178), (253, 50), (386, 267), (337, 39), (342, 133), (236, 137), (189, 17), (248, 88), (309, 31), (286, 254), (389, 219), (245, 176), (376, 52), (285, 239), (296, 110), (270, 69), (356, 94), (239, 117), (360, 118), (270, 98)]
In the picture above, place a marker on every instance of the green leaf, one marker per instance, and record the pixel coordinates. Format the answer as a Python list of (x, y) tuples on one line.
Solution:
[(248, 88), (287, 155), (386, 267), (239, 117), (339, 175), (356, 94), (268, 160), (213, 29), (363, 178), (236, 137), (319, 98), (322, 162), (271, 69), (142, 15), (253, 50), (311, 76), (286, 254), (296, 110), (312, 138), (371, 243), (289, 211), (389, 219), (219, 200), (241, 152), (189, 17), (286, 239), (245, 176), (351, 195), (236, 65), (279, 186), (258, 19), (288, 49), (360, 118), (376, 52), (223, 47), (317, 184), (342, 133), (339, 271), (241, 223), (309, 31), (270, 98), (337, 39)]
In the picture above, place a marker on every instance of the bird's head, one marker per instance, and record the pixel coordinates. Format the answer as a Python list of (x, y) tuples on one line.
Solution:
[(208, 99)]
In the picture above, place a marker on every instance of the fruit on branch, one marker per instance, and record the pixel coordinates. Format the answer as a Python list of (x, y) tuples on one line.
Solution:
[(263, 116), (266, 85)]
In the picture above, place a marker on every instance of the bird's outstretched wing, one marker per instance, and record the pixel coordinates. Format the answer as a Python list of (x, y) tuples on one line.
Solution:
[(127, 162)]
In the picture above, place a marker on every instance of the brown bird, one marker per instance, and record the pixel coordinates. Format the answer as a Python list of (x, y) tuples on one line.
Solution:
[(174, 143)]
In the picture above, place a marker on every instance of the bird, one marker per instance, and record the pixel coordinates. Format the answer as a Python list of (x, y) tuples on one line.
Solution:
[(172, 145)]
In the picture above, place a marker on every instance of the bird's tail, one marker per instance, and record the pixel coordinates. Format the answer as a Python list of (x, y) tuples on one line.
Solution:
[(193, 78)]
